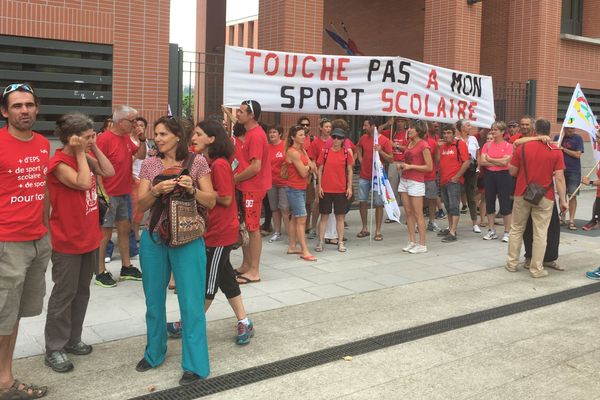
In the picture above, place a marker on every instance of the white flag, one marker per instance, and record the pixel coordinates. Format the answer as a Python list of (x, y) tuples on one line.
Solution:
[(580, 116), (381, 185)]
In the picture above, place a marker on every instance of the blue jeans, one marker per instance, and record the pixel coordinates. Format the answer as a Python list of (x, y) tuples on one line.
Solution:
[(133, 247), (297, 202), (188, 263)]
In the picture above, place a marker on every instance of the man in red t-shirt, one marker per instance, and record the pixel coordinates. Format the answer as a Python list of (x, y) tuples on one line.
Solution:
[(453, 158), (365, 149), (253, 181), (535, 162), (525, 126), (23, 226), (118, 147)]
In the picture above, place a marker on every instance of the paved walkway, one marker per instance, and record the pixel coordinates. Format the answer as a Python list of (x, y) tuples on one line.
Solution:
[(119, 312)]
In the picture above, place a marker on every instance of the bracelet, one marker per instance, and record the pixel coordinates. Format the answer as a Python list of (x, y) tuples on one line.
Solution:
[(591, 183)]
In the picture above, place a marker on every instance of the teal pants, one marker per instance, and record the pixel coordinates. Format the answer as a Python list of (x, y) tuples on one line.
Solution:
[(188, 264)]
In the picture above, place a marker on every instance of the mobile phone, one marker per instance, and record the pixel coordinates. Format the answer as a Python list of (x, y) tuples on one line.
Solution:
[(234, 164)]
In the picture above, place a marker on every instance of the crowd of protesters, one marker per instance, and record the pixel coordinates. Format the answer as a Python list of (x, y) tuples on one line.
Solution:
[(73, 201)]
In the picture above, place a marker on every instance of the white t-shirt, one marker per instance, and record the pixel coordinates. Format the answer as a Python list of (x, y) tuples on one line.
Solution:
[(472, 146)]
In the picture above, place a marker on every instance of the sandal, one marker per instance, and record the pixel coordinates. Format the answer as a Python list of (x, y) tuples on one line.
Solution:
[(25, 392), (319, 247), (363, 234), (378, 237), (342, 247), (572, 226)]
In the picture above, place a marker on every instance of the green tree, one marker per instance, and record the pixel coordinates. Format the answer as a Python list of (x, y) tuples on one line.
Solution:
[(188, 105)]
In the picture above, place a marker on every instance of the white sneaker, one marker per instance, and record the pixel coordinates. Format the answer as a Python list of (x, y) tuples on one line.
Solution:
[(106, 259), (409, 246), (505, 237), (275, 238), (491, 234), (476, 228), (417, 249)]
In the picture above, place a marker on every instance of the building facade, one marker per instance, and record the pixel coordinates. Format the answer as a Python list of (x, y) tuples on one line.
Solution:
[(87, 55)]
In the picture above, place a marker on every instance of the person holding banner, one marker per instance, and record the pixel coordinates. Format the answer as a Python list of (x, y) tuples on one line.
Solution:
[(417, 162), (298, 166), (253, 179), (572, 148), (366, 148), (335, 186)]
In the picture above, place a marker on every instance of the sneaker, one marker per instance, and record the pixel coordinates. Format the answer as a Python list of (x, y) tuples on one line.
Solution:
[(476, 228), (440, 214), (595, 274), (443, 232), (58, 361), (589, 226), (107, 259), (449, 238), (130, 273), (143, 366), (433, 227), (417, 249), (311, 234), (244, 332), (174, 329), (275, 238), (491, 234), (464, 210), (188, 378), (79, 349), (505, 237), (105, 280), (409, 246)]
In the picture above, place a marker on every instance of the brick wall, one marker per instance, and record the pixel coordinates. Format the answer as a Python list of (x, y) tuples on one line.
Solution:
[(135, 28), (494, 45)]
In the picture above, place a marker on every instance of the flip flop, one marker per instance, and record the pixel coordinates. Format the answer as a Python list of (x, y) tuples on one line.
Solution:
[(237, 273), (245, 280), (294, 252), (363, 234), (309, 258), (378, 237)]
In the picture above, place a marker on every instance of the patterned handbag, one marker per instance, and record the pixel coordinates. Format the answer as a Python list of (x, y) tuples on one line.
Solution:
[(185, 220)]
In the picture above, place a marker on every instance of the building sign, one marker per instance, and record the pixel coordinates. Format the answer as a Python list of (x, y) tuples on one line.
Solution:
[(326, 84)]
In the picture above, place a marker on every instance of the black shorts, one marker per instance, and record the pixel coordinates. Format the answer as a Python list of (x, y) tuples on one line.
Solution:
[(338, 201), (219, 273)]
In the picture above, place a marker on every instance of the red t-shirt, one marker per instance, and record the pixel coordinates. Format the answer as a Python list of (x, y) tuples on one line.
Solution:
[(541, 163), (450, 162), (256, 146), (277, 156), (23, 169), (237, 159), (295, 180), (314, 150), (387, 133), (515, 137), (366, 142), (333, 178), (432, 141), (119, 150), (415, 156), (401, 139), (74, 221), (497, 150), (223, 223)]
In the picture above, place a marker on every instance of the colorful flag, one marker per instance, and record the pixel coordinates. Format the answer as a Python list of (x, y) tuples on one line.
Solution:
[(382, 186), (338, 39), (351, 43), (580, 116)]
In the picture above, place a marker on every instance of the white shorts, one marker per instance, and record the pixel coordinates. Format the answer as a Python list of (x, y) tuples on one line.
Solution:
[(413, 188)]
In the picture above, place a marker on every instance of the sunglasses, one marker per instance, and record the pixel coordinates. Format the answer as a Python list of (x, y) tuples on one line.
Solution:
[(16, 86), (304, 124), (337, 138), (249, 104)]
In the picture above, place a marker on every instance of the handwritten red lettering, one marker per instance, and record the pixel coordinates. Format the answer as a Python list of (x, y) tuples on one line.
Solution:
[(432, 80), (269, 57), (327, 69), (304, 62), (252, 54), (342, 68)]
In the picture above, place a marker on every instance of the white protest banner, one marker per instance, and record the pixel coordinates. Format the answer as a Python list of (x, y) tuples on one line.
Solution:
[(326, 84)]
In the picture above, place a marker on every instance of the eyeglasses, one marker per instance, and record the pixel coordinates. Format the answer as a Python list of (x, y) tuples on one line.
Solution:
[(337, 138), (16, 86), (249, 104)]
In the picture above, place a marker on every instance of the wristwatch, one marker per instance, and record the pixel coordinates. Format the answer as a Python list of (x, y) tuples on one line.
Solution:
[(591, 183)]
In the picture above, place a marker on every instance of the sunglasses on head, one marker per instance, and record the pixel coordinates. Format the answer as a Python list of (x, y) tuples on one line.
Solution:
[(16, 86), (249, 104)]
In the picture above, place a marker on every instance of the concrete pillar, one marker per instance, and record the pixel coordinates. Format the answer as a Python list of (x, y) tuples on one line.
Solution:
[(453, 34), (210, 38), (533, 50), (295, 26)]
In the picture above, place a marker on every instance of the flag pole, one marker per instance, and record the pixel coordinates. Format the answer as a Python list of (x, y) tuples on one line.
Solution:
[(561, 135), (587, 176)]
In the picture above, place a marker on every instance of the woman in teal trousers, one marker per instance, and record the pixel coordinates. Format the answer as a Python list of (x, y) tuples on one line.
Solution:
[(187, 262)]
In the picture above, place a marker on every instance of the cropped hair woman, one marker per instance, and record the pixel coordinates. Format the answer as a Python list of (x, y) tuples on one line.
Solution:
[(187, 262), (495, 157), (298, 167), (75, 232)]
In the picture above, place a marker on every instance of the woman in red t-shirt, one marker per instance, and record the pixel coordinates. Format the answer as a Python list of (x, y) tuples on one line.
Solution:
[(211, 140), (277, 194), (417, 162), (298, 166), (335, 186), (75, 233)]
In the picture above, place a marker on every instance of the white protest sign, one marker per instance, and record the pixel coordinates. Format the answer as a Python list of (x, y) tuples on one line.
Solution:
[(326, 84)]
